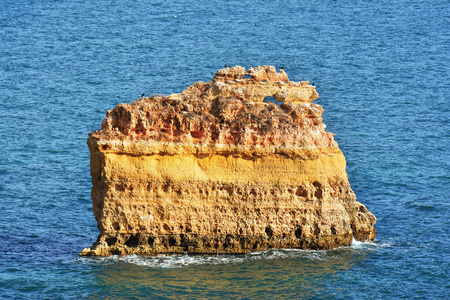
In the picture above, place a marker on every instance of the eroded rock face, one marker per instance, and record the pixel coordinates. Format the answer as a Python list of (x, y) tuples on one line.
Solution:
[(216, 169)]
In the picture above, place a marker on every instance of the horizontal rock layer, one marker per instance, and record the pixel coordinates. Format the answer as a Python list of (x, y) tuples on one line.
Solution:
[(216, 169)]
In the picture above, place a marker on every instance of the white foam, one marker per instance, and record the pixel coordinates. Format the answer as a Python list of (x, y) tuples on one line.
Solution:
[(184, 260), (367, 245)]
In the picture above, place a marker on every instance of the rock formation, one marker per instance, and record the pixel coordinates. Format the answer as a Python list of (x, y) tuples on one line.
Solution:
[(220, 169)]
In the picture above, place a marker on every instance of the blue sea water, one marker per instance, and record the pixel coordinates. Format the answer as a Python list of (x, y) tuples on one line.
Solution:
[(381, 69)]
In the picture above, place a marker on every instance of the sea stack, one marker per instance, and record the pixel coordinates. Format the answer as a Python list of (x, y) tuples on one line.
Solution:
[(238, 164)]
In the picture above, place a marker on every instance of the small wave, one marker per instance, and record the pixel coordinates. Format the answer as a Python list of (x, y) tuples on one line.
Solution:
[(163, 261), (367, 245), (174, 261), (180, 261), (361, 244), (186, 260), (423, 207)]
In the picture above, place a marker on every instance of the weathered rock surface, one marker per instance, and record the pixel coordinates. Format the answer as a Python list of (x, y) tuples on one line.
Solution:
[(216, 169)]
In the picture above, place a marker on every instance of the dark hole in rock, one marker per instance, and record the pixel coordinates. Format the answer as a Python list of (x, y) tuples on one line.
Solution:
[(272, 100), (333, 229), (151, 241), (318, 193), (172, 241), (106, 147), (111, 241), (301, 192), (269, 231), (120, 187), (133, 241), (298, 232), (255, 246), (140, 130), (316, 229), (229, 241), (116, 252), (177, 132), (197, 134)]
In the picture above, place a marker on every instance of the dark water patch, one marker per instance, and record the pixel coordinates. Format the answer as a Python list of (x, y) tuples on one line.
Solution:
[(420, 206)]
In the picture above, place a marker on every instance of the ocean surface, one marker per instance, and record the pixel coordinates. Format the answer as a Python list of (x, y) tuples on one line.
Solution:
[(382, 69)]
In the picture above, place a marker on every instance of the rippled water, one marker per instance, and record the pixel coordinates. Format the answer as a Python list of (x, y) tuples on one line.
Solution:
[(381, 69)]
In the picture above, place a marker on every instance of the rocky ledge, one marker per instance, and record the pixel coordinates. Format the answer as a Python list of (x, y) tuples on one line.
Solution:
[(238, 164)]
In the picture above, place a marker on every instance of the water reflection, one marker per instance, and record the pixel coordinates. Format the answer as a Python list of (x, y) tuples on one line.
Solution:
[(290, 273)]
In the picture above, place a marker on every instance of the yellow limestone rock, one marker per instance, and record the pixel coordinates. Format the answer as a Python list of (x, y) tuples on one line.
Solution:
[(216, 169)]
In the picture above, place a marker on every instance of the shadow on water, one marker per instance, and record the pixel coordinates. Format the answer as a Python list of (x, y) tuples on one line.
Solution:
[(287, 272)]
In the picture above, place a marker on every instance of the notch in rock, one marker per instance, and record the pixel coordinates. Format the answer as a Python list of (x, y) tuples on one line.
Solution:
[(272, 100)]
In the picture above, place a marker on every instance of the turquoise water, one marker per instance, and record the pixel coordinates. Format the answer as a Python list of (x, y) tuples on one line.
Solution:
[(381, 69)]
